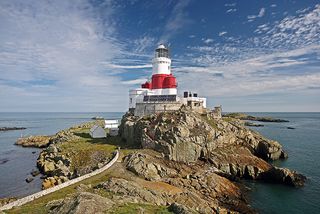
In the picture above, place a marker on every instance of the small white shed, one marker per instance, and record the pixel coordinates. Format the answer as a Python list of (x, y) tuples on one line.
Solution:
[(97, 132), (111, 124)]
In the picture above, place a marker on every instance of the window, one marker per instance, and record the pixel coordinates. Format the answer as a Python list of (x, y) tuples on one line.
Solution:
[(130, 100)]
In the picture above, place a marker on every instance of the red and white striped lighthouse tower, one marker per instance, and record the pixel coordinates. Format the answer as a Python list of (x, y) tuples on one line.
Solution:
[(162, 81)]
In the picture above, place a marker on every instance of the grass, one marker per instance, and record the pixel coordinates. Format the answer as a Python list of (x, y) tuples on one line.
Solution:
[(82, 151), (211, 122), (228, 119)]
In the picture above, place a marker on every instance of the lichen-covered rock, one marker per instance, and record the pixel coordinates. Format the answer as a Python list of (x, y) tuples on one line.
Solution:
[(187, 136), (145, 166), (34, 141), (198, 183), (79, 203)]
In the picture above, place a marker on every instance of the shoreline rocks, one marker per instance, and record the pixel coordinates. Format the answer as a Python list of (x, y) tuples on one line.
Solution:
[(243, 116), (34, 141), (3, 129)]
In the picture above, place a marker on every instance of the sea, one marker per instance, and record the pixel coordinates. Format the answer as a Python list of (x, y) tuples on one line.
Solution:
[(301, 143)]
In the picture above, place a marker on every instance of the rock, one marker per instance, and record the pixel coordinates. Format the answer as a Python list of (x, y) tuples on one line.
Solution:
[(11, 128), (49, 182), (34, 141), (4, 201), (132, 192), (186, 136), (253, 124), (34, 173), (146, 166), (243, 116), (79, 203), (189, 136), (29, 179), (48, 167), (4, 160), (286, 176), (179, 209)]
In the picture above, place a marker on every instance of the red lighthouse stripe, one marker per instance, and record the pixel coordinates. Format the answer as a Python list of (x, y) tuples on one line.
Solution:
[(160, 81)]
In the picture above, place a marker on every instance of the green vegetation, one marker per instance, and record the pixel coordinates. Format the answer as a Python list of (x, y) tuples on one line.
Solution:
[(81, 153), (86, 150), (211, 122), (228, 119)]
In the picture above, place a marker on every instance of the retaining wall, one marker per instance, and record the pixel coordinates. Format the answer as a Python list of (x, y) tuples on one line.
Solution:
[(34, 196)]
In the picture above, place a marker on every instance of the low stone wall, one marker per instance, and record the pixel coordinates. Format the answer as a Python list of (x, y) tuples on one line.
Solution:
[(34, 196)]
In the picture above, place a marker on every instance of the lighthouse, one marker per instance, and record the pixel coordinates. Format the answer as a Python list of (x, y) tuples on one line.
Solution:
[(162, 80), (160, 94)]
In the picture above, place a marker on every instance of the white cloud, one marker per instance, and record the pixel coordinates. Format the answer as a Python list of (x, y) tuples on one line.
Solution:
[(143, 43), (51, 54), (177, 20), (262, 12), (207, 41), (232, 10), (130, 66), (222, 33)]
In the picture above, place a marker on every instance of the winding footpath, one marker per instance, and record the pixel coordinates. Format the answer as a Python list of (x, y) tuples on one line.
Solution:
[(34, 196)]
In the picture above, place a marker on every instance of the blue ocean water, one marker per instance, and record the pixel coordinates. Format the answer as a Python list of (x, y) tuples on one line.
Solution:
[(301, 143), (303, 146), (17, 162)]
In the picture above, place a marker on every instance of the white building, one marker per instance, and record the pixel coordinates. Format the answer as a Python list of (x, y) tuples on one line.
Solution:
[(112, 126), (97, 132), (109, 124)]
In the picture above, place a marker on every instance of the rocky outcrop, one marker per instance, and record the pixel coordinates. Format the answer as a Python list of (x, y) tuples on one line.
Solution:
[(79, 203), (200, 187), (144, 165), (283, 175), (3, 129), (253, 124), (187, 136), (242, 116), (233, 150), (180, 209), (34, 141), (55, 166), (62, 160)]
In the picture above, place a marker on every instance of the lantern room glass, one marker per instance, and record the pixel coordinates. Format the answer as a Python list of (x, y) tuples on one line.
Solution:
[(162, 52)]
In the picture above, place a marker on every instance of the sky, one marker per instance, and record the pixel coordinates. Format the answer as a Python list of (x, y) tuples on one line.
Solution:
[(85, 55)]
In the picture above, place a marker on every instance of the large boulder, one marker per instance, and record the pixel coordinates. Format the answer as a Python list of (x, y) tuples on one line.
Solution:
[(283, 175), (79, 203), (147, 167)]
